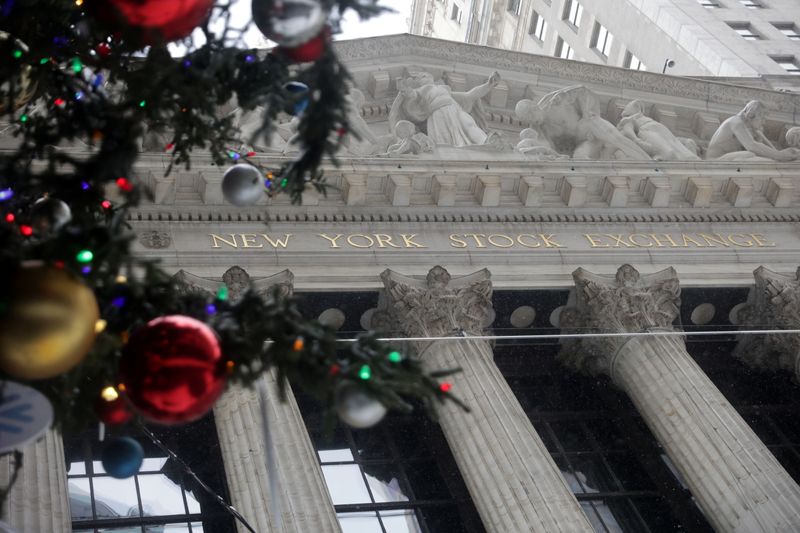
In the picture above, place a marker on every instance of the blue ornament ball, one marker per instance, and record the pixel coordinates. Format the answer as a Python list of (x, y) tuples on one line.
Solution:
[(122, 457), (298, 97)]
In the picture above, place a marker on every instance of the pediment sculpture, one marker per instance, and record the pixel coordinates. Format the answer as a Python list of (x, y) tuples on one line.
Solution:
[(741, 137)]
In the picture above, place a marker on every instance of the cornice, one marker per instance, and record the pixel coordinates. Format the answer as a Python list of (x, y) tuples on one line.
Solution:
[(408, 47)]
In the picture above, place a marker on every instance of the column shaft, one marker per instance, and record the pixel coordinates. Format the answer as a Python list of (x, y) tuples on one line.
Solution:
[(39, 500), (514, 482), (737, 482), (304, 499)]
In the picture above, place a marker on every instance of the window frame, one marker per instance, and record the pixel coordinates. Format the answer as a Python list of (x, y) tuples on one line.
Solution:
[(710, 4), (601, 32), (752, 4), (788, 29), (537, 29), (573, 11), (559, 50), (455, 13), (783, 61), (514, 7), (628, 62), (746, 31)]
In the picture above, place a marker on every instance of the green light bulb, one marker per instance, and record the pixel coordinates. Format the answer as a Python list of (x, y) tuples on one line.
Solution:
[(395, 357), (365, 372), (17, 54), (222, 293), (84, 256)]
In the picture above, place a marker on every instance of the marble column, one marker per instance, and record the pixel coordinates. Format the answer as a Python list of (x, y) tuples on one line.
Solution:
[(774, 303), (304, 501), (511, 477), (39, 500), (737, 482), (305, 504)]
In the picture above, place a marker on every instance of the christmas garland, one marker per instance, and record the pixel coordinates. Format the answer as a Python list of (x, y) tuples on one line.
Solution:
[(106, 335)]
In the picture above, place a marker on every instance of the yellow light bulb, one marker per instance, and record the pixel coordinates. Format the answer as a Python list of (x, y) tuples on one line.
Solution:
[(109, 394), (100, 325), (121, 279)]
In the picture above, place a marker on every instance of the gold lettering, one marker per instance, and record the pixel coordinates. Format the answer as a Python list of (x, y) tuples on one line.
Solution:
[(640, 245), (761, 241), (365, 237), (277, 243), (668, 237), (548, 240), (331, 239), (716, 238), (384, 240), (509, 243), (519, 240), (595, 243), (475, 236), (232, 243), (455, 242), (687, 239), (408, 240), (746, 243), (249, 240), (619, 241)]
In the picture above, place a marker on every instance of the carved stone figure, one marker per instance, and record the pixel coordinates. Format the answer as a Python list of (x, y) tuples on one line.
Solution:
[(741, 137), (571, 121), (408, 141), (652, 136), (533, 145), (238, 281), (793, 137), (443, 115)]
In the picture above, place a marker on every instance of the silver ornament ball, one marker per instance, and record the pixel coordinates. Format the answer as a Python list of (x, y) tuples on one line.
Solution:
[(289, 23), (241, 185), (49, 215), (357, 408)]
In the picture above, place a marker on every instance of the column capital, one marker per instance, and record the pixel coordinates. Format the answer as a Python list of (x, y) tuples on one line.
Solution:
[(624, 303), (774, 303), (237, 280), (437, 306)]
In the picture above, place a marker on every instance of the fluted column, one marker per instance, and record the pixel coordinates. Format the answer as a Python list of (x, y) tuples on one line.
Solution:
[(511, 477), (737, 482), (774, 303), (39, 500), (303, 498)]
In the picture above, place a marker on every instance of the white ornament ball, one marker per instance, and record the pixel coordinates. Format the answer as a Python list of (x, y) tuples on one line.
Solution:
[(49, 215), (356, 408), (289, 23), (241, 185)]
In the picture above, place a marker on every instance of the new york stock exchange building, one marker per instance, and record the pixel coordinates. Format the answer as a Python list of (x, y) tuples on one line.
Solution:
[(497, 194)]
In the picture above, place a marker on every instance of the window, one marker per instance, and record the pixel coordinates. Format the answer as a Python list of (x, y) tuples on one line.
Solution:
[(572, 13), (789, 64), (563, 50), (788, 29), (397, 476), (709, 4), (513, 6), (745, 30), (538, 27), (632, 62), (161, 497), (752, 4), (602, 39), (455, 14)]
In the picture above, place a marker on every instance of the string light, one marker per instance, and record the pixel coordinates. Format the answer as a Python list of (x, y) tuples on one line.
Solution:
[(77, 66), (142, 103), (85, 270), (109, 394), (17, 54), (365, 372), (222, 293), (26, 230), (445, 387), (78, 3), (124, 184), (299, 344), (334, 370), (60, 102), (84, 256), (85, 185), (121, 279), (211, 309), (100, 326), (6, 194), (395, 357), (10, 218), (23, 118), (105, 204), (119, 301)]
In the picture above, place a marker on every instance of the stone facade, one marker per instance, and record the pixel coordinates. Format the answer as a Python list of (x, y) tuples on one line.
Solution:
[(436, 231)]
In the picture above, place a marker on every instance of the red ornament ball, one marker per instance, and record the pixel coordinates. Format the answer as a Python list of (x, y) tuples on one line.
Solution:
[(173, 369), (310, 50), (155, 20), (113, 412)]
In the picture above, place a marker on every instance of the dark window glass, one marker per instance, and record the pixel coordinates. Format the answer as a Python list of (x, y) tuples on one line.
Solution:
[(161, 498)]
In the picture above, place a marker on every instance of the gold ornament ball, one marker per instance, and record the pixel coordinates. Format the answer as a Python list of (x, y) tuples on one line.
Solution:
[(48, 325)]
